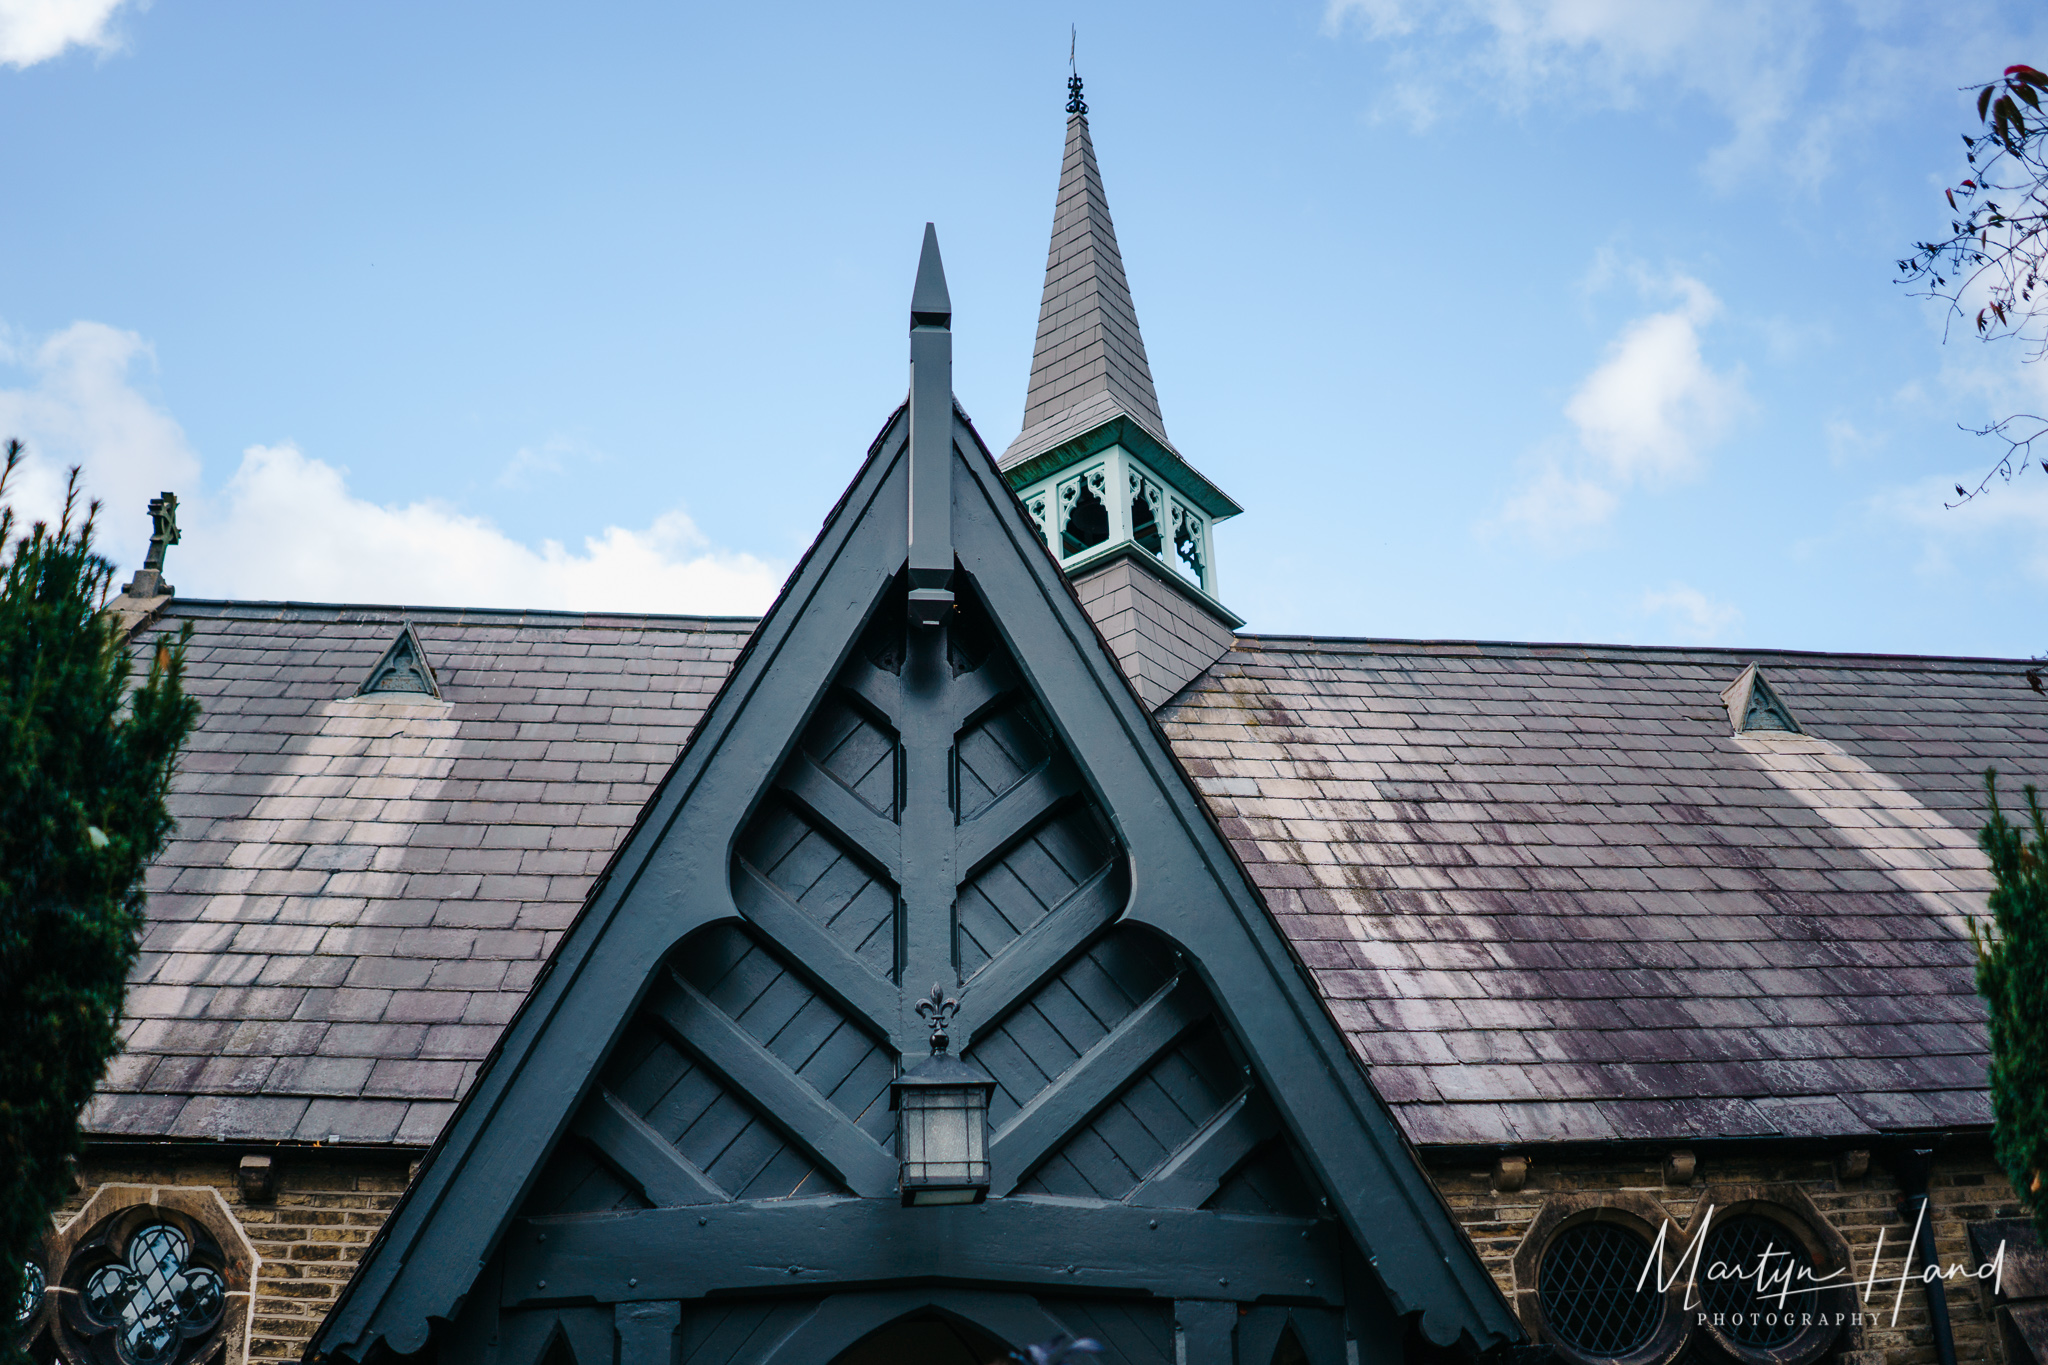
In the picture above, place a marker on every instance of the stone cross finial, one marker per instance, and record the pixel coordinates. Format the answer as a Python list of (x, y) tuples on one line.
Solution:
[(163, 533)]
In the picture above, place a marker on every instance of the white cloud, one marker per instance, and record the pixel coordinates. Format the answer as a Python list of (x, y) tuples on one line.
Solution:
[(1647, 414), (1696, 618), (1653, 404), (1556, 510), (1786, 76), (80, 407), (34, 31), (287, 525)]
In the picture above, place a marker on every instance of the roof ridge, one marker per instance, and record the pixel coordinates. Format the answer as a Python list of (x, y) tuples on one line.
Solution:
[(1367, 644), (242, 609)]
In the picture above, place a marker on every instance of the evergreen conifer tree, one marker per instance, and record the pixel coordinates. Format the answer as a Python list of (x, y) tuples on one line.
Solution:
[(2012, 976), (86, 749)]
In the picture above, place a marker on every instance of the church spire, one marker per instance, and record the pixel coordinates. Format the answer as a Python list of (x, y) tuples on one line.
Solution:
[(1129, 520), (1089, 366)]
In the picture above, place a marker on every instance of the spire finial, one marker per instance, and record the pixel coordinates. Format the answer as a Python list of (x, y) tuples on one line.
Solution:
[(930, 303), (1075, 104), (931, 438)]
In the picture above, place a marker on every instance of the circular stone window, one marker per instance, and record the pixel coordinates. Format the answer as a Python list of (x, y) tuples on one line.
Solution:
[(148, 1289), (1767, 1291), (1746, 1261), (1596, 1296)]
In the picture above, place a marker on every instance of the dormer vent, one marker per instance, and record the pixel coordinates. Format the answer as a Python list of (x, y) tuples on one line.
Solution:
[(403, 671), (1753, 706)]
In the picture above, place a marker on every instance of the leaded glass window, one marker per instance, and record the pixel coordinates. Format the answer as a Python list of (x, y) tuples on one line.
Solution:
[(1737, 1252), (1595, 1296), (32, 1285), (149, 1287)]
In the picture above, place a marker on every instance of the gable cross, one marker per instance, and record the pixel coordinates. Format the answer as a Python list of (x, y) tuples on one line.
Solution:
[(163, 533)]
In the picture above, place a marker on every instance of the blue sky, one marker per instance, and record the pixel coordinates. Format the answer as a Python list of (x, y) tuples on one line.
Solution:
[(1512, 319)]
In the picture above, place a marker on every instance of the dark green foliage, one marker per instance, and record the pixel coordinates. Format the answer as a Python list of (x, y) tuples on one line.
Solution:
[(2012, 976), (85, 758)]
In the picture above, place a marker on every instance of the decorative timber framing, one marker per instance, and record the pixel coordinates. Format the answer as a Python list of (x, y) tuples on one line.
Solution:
[(1170, 919)]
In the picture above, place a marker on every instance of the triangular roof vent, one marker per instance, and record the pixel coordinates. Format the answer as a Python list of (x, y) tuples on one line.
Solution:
[(403, 670), (1752, 705)]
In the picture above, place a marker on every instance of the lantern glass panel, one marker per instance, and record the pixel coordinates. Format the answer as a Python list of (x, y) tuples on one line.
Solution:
[(942, 1135)]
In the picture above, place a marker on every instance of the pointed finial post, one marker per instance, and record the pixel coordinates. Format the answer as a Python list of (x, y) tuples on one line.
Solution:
[(1075, 104), (931, 438)]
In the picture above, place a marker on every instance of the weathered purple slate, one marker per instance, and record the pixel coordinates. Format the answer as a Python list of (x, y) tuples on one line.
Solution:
[(360, 891), (1545, 891), (1550, 896)]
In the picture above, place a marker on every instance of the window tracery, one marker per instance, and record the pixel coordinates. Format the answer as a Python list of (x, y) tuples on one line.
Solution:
[(1084, 512), (1190, 543), (1146, 514), (145, 1283)]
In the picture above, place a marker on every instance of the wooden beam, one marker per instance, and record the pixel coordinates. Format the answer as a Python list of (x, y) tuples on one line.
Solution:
[(973, 693), (798, 1246), (1034, 956), (641, 1154), (815, 952), (1187, 1178), (870, 837), (1036, 1130), (1203, 1331), (1012, 815), (766, 1082), (647, 1332), (879, 688)]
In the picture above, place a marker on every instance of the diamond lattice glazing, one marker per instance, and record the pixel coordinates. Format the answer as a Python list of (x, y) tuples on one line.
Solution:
[(1742, 1244), (1594, 1294), (156, 1297)]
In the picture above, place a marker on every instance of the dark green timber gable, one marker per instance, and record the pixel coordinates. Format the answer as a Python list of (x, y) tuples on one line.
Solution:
[(681, 1149)]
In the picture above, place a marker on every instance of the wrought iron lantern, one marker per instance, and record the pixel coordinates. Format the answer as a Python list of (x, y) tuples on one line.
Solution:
[(941, 1109)]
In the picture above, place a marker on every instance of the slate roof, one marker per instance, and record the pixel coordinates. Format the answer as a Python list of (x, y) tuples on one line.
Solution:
[(1089, 365), (1550, 895), (1544, 889), (360, 891)]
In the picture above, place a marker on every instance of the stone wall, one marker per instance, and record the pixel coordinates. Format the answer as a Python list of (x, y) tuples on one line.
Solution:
[(329, 1204), (308, 1238), (1966, 1187)]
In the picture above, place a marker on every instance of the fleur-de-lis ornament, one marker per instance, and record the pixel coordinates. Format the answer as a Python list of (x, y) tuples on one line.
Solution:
[(939, 1009)]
